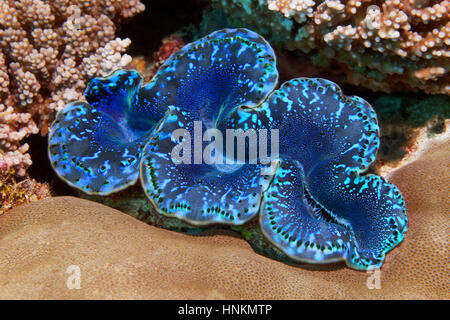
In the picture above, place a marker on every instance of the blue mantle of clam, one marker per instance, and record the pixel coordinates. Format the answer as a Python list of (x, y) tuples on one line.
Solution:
[(318, 206)]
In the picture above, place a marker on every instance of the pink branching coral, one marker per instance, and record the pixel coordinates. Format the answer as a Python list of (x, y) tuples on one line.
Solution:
[(49, 49), (384, 45)]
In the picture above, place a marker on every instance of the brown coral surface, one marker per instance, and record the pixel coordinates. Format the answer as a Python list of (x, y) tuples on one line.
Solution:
[(121, 257), (49, 49)]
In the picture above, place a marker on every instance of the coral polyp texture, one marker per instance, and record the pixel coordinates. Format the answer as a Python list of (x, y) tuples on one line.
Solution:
[(385, 46), (48, 52), (315, 203)]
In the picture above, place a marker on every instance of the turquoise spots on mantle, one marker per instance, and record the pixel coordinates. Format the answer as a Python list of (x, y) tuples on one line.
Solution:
[(317, 206)]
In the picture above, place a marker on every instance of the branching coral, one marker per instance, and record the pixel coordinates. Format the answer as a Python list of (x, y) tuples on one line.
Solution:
[(393, 45), (48, 52), (316, 205)]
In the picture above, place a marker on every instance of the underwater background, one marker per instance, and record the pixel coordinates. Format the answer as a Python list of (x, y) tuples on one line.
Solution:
[(393, 54)]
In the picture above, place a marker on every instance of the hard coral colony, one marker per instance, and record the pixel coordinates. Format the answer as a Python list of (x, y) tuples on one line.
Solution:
[(48, 51), (316, 207), (391, 45)]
